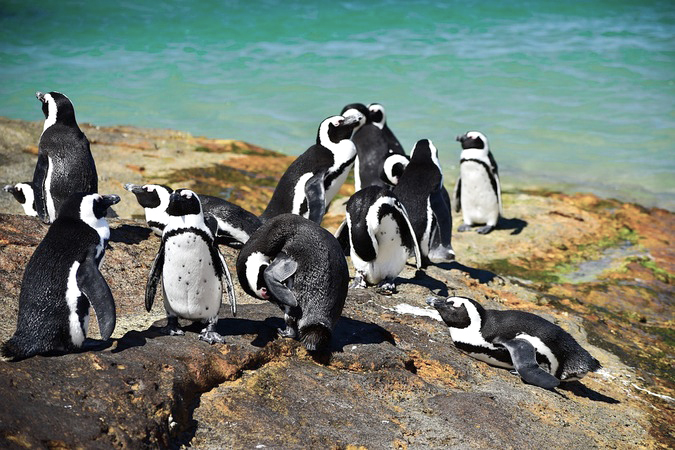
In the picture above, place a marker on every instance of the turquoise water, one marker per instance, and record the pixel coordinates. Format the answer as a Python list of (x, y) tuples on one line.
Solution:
[(573, 95)]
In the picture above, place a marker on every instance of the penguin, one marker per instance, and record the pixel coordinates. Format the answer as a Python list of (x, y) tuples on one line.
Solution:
[(477, 192), (62, 279), (378, 117), (379, 237), (312, 180), (191, 268), (371, 148), (25, 195), (231, 224), (65, 164), (299, 266), (420, 190), (393, 168), (541, 352)]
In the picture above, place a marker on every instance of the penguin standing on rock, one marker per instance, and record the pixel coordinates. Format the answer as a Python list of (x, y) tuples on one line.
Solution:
[(62, 279), (477, 192), (191, 268), (420, 190), (300, 267), (25, 195), (379, 237), (312, 180), (541, 352), (231, 224), (65, 164)]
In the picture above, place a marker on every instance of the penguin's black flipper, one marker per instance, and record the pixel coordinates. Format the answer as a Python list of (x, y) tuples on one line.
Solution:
[(153, 278), (92, 284), (342, 236), (316, 197), (281, 269), (524, 360), (457, 195), (212, 224), (408, 234)]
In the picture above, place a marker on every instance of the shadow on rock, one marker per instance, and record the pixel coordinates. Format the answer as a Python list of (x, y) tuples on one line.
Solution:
[(351, 332), (421, 278), (517, 225), (480, 275), (129, 234), (577, 388)]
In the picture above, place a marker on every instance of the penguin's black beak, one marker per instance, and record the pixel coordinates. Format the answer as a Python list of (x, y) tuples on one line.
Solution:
[(109, 200), (40, 96), (9, 188), (353, 119), (460, 138), (134, 188), (435, 301)]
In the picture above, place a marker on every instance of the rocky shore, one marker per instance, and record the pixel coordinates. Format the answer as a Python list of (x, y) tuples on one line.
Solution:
[(601, 269)]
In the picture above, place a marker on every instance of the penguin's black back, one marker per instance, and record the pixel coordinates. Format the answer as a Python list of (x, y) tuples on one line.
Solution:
[(231, 213)]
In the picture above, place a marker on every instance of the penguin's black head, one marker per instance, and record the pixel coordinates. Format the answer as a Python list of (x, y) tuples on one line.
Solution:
[(57, 107), (353, 108), (16, 191), (87, 207), (338, 128), (455, 311), (184, 202), (376, 115), (149, 195), (393, 167), (424, 150), (473, 139)]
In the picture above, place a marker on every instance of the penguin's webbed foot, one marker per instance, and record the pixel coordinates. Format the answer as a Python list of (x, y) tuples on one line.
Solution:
[(171, 328), (212, 337), (442, 253), (486, 229), (464, 227), (386, 287)]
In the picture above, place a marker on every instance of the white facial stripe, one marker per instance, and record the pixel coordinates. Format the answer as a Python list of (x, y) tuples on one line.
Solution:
[(434, 158), (375, 108), (29, 194), (543, 349), (478, 134), (51, 209), (253, 264), (471, 334), (99, 225), (239, 235), (389, 166), (299, 194), (77, 334), (158, 214), (51, 112)]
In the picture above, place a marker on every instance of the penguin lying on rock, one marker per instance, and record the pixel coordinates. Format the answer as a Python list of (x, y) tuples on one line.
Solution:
[(62, 279), (541, 352), (299, 266), (191, 268), (234, 224)]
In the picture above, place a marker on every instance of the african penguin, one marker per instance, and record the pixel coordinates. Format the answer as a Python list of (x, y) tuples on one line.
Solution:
[(312, 180), (62, 279), (542, 353), (233, 224), (65, 164), (25, 195), (191, 268), (299, 266), (371, 149), (477, 192), (378, 236), (420, 190), (378, 117)]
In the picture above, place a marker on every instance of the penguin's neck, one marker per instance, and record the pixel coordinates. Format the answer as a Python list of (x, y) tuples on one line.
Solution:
[(344, 152), (187, 221), (480, 154), (471, 334)]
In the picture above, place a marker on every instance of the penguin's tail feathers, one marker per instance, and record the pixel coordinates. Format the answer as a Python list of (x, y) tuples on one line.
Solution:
[(12, 350), (315, 337)]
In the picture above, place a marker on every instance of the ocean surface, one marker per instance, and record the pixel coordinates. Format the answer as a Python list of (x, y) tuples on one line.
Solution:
[(573, 95)]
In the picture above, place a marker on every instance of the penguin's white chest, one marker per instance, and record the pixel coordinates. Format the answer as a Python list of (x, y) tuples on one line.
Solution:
[(391, 254), (192, 290), (480, 205)]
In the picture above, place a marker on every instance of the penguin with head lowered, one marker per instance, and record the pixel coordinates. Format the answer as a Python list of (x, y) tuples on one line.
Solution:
[(62, 280), (378, 117), (541, 352), (420, 190), (65, 164), (299, 266), (379, 237), (25, 195), (191, 268), (477, 192), (232, 224)]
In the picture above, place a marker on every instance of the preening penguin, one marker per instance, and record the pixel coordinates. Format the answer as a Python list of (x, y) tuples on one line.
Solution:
[(541, 352), (300, 267), (191, 268), (25, 195), (420, 190), (65, 164), (477, 192), (62, 279), (379, 237), (312, 180), (378, 117), (233, 224)]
